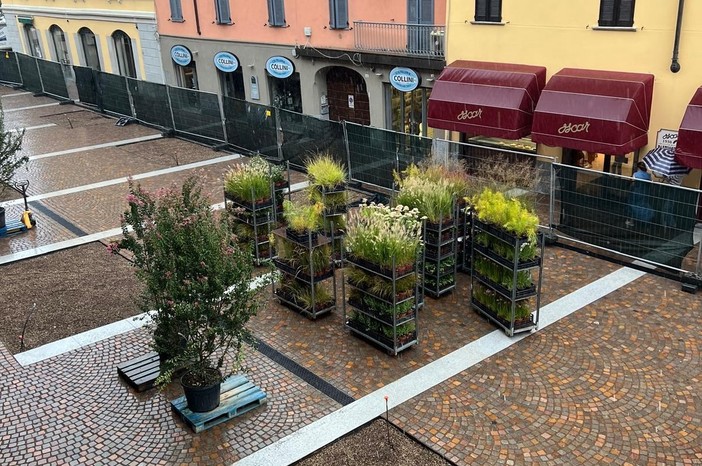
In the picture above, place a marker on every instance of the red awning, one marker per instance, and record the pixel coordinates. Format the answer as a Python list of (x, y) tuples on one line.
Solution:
[(594, 111), (688, 152), (486, 99)]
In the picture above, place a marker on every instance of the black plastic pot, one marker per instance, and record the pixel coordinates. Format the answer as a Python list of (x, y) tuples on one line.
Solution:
[(201, 399), (2, 217)]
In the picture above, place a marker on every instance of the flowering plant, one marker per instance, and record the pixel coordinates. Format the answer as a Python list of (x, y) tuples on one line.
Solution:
[(383, 235), (195, 277)]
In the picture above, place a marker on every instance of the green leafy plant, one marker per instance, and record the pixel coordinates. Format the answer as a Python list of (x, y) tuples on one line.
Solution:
[(195, 277), (495, 208), (250, 182)]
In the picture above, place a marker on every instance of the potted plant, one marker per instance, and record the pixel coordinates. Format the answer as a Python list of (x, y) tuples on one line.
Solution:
[(506, 250), (383, 245), (196, 279), (303, 221)]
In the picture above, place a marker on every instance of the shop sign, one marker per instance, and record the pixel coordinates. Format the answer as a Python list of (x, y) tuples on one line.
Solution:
[(25, 19), (404, 79), (181, 55), (225, 61), (469, 115), (667, 138), (279, 67), (574, 128)]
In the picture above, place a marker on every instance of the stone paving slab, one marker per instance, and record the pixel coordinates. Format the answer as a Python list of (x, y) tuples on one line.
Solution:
[(21, 99), (73, 409), (616, 383)]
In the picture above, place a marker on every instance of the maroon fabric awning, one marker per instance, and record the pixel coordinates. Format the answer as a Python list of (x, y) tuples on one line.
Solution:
[(486, 99), (688, 152), (594, 111)]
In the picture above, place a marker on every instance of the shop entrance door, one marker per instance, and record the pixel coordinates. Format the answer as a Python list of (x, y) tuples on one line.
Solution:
[(347, 96)]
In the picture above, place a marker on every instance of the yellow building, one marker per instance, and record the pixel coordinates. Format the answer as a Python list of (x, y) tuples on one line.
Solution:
[(114, 36), (634, 37)]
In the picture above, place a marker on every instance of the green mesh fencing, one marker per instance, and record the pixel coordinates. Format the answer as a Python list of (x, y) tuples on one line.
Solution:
[(30, 73), (86, 84), (251, 127), (52, 78), (196, 113), (652, 221), (115, 97), (375, 153), (150, 102), (304, 135), (9, 68)]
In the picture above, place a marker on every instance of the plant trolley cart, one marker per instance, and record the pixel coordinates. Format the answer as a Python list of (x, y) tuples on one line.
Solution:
[(503, 288), (308, 281)]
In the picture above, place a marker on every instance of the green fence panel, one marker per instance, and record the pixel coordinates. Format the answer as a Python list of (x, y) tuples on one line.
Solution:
[(251, 127), (196, 113), (652, 221), (375, 153), (9, 68), (30, 73), (115, 97), (52, 78), (304, 135), (87, 84), (150, 102)]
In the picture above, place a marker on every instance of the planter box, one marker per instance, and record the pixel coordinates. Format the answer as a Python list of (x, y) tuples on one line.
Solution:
[(393, 347), (298, 273), (520, 326), (386, 273)]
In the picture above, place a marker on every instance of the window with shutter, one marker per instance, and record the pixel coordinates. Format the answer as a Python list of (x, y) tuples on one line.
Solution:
[(616, 13), (338, 14), (222, 11), (176, 10), (276, 13), (488, 10)]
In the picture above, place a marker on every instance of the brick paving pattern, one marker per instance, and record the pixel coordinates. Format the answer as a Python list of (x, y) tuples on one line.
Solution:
[(617, 382)]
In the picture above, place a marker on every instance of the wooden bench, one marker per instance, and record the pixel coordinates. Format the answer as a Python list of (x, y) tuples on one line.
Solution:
[(141, 373)]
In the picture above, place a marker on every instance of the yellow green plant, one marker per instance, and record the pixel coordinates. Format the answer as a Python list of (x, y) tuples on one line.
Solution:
[(495, 208), (302, 218), (325, 172)]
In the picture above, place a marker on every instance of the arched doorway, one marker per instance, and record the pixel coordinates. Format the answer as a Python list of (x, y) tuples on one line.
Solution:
[(124, 54), (60, 45), (347, 96), (90, 48)]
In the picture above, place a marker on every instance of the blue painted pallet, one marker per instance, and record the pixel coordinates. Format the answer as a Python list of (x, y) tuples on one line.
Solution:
[(238, 396)]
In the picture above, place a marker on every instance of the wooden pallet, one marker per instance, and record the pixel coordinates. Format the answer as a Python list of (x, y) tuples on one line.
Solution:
[(238, 396), (141, 373)]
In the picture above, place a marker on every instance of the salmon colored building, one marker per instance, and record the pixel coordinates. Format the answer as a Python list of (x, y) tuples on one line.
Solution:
[(116, 37), (363, 61), (597, 83)]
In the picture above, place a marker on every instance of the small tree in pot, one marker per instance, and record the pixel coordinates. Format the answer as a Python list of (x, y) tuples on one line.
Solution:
[(196, 279)]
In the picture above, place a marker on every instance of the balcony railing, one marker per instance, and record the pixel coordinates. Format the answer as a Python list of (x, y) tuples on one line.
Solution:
[(423, 40)]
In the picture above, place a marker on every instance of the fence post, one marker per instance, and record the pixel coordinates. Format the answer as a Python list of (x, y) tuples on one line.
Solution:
[(348, 150), (278, 133), (551, 198), (97, 83), (170, 107), (220, 100), (131, 97), (41, 80), (19, 68)]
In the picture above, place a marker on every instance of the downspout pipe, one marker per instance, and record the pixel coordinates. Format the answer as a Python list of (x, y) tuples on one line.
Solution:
[(197, 18), (675, 66)]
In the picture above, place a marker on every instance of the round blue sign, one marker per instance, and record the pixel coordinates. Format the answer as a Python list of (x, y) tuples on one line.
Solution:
[(225, 61), (404, 79), (181, 55), (280, 67)]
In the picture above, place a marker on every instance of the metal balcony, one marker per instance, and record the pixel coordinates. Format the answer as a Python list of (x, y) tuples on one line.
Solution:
[(420, 40)]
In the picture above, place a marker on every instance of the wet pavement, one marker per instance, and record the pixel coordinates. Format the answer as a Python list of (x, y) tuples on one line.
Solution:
[(617, 382)]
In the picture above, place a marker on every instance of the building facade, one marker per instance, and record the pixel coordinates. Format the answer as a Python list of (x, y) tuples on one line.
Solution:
[(617, 80), (362, 61), (116, 37)]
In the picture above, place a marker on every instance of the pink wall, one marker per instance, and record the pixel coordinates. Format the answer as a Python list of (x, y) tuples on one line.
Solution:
[(250, 18)]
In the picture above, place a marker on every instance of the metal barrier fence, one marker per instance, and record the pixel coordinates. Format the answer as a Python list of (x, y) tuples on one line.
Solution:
[(650, 221)]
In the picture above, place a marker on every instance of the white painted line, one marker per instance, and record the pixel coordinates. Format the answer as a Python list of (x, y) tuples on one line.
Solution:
[(106, 183), (122, 142), (106, 331), (316, 435), (31, 108), (16, 95), (48, 125)]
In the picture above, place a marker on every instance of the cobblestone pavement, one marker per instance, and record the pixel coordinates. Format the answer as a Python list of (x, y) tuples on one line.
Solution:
[(618, 381)]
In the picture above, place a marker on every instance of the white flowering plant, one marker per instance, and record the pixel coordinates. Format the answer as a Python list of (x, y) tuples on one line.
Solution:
[(383, 235)]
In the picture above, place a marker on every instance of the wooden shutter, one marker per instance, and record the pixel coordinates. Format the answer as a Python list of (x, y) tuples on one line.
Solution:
[(276, 12), (495, 10), (488, 10), (625, 18), (339, 14), (176, 10), (223, 14)]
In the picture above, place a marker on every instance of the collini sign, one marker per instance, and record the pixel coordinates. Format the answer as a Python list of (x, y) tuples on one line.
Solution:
[(279, 67), (404, 79)]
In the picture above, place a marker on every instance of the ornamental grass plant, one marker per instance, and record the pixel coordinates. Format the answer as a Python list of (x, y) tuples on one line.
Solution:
[(302, 218), (324, 172), (508, 213), (384, 236), (251, 182)]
